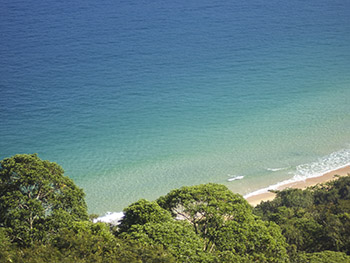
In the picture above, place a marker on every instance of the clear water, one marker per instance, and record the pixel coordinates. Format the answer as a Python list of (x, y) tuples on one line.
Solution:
[(135, 98)]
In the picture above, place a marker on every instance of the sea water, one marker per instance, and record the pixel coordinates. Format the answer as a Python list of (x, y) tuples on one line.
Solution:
[(135, 98)]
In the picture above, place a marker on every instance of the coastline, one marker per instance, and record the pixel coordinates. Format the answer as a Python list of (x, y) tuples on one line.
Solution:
[(267, 196), (255, 199)]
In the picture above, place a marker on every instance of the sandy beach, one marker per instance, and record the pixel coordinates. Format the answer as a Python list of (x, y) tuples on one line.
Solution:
[(256, 199)]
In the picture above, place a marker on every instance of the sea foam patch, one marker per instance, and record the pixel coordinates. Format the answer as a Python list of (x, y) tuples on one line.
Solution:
[(110, 217)]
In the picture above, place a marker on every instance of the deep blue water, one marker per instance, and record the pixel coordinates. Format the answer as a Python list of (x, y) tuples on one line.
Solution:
[(134, 98)]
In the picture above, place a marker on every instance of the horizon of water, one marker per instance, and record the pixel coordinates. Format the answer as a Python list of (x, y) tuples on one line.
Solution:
[(134, 99)]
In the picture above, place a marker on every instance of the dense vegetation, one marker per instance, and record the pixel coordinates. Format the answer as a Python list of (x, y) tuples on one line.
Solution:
[(43, 218), (313, 220)]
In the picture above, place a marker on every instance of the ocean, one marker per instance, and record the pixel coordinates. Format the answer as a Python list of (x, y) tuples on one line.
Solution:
[(136, 98)]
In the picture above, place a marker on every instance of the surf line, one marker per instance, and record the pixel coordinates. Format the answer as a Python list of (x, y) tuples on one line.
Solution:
[(237, 177)]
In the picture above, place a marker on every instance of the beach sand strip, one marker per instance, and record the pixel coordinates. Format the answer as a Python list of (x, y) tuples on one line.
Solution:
[(257, 199)]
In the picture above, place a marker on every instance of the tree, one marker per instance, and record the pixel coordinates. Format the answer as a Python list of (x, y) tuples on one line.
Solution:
[(225, 222), (206, 207), (36, 198), (150, 224), (295, 199), (142, 212)]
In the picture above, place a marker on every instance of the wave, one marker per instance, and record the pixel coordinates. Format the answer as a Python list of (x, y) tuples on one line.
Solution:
[(323, 165), (110, 217), (277, 169), (237, 177)]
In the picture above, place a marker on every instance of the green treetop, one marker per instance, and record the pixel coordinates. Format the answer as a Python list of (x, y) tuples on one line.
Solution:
[(225, 222), (36, 198)]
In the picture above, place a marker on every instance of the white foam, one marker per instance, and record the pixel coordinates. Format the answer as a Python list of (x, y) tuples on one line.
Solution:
[(110, 217), (277, 169), (331, 162), (237, 177)]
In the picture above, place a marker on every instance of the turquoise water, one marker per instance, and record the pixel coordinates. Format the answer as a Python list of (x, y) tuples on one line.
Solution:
[(134, 99)]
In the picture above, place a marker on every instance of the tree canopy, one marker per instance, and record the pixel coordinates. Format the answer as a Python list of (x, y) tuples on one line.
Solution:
[(208, 223), (225, 222), (312, 220), (36, 198), (142, 212)]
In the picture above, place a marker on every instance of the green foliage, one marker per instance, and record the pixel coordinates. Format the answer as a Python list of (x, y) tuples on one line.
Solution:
[(148, 223), (332, 192), (85, 241), (257, 240), (35, 198), (142, 212), (230, 257), (97, 251), (324, 257), (46, 220), (75, 236), (288, 198), (88, 242), (134, 251), (207, 208), (225, 222), (175, 236), (312, 220), (5, 246)]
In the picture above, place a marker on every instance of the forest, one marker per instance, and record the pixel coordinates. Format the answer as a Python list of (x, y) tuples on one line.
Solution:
[(44, 218)]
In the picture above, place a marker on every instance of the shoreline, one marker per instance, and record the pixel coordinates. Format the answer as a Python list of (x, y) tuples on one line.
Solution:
[(267, 196), (255, 199)]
